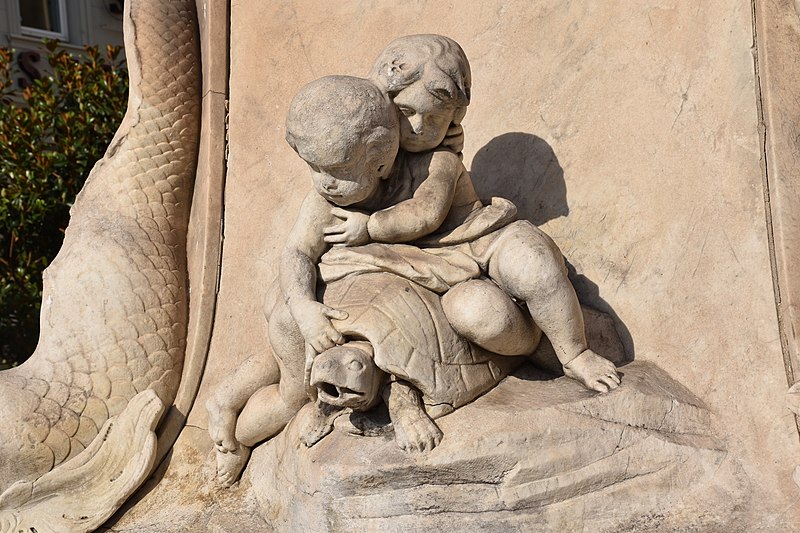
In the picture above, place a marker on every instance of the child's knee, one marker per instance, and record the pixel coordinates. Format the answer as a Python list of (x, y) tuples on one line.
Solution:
[(526, 260), (485, 315)]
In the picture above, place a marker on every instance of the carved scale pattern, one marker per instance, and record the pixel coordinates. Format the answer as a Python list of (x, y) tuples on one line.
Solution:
[(115, 303)]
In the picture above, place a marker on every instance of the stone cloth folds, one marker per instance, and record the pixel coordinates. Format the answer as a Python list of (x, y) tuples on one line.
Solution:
[(438, 262), (480, 222)]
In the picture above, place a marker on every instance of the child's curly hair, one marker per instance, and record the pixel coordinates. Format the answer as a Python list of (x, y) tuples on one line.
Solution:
[(435, 59)]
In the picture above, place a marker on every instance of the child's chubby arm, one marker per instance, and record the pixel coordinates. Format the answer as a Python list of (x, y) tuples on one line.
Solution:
[(298, 275), (428, 208)]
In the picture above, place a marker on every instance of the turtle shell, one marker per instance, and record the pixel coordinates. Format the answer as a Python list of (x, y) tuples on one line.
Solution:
[(413, 339)]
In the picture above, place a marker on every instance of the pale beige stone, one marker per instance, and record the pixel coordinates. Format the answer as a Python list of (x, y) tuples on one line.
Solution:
[(530, 456), (393, 219), (633, 136), (81, 494), (778, 32), (204, 236), (115, 302), (630, 132)]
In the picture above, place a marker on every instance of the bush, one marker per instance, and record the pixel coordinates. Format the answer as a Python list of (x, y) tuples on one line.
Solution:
[(51, 134)]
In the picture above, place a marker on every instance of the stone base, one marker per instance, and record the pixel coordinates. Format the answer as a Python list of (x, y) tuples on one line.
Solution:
[(532, 455)]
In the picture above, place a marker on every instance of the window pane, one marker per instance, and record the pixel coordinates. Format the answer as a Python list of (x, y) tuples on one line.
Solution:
[(40, 14)]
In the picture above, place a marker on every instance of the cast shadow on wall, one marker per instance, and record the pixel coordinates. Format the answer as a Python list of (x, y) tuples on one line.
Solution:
[(523, 168)]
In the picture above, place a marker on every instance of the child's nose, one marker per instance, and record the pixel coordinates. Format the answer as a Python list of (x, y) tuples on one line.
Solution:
[(416, 123)]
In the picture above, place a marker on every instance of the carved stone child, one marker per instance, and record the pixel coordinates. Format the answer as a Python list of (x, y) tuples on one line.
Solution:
[(347, 132), (430, 200)]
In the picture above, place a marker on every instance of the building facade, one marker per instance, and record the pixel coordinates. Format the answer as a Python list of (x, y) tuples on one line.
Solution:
[(25, 23)]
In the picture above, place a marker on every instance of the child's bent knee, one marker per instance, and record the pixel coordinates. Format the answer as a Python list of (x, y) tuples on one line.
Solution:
[(483, 314)]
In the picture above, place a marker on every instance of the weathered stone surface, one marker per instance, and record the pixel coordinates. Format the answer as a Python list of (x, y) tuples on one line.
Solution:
[(115, 302), (534, 454), (531, 454), (630, 131), (180, 497), (778, 35)]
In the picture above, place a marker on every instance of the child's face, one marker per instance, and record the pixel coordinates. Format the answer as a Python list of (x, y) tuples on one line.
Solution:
[(424, 119), (345, 183)]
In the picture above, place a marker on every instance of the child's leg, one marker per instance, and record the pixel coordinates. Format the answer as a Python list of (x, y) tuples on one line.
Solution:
[(235, 389), (270, 407), (528, 265), (483, 314), (231, 395), (264, 416)]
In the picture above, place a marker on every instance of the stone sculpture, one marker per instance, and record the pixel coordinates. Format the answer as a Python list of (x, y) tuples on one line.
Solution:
[(81, 412), (412, 213), (410, 355), (532, 453)]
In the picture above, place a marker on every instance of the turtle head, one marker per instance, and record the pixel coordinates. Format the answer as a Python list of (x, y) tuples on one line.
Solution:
[(346, 376)]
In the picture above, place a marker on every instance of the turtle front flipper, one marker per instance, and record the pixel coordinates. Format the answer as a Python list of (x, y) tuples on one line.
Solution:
[(414, 430), (318, 422)]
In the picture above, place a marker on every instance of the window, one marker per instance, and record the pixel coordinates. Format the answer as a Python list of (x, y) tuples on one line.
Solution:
[(43, 18)]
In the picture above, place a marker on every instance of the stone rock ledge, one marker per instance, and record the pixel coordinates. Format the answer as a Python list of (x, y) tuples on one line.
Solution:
[(532, 455)]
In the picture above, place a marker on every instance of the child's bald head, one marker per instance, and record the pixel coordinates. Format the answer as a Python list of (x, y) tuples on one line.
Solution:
[(333, 118)]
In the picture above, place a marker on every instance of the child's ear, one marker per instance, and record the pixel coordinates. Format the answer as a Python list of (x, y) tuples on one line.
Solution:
[(378, 151), (382, 171)]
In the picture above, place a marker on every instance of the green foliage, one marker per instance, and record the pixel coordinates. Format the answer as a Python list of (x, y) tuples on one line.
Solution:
[(51, 134)]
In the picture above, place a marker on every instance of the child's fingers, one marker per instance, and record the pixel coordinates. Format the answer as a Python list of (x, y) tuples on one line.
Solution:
[(338, 228), (338, 212), (335, 239), (336, 337), (335, 314), (317, 345), (327, 341)]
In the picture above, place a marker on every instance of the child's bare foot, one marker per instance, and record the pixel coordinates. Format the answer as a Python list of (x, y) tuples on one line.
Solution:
[(231, 463), (221, 426), (593, 372)]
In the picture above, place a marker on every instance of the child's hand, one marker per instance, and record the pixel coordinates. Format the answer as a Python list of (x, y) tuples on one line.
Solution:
[(314, 321), (351, 232), (454, 139)]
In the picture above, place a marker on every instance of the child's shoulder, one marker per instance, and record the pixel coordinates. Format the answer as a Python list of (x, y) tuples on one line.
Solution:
[(315, 210), (440, 160), (435, 154)]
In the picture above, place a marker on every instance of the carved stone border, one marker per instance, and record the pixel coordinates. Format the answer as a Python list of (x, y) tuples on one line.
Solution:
[(204, 242), (777, 41)]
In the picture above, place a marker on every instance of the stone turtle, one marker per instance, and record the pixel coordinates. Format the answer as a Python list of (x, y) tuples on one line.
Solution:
[(400, 348)]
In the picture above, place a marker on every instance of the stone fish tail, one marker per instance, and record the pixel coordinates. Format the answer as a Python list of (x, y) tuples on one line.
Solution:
[(115, 302)]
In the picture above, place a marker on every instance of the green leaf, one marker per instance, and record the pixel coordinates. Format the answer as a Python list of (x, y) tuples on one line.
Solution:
[(51, 134)]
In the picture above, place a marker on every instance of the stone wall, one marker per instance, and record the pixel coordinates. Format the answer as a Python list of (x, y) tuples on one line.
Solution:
[(630, 131)]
